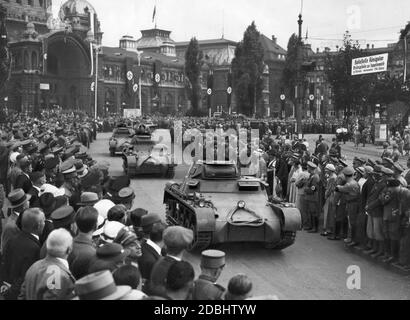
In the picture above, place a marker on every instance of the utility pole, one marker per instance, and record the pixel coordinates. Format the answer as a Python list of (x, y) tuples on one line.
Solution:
[(299, 80)]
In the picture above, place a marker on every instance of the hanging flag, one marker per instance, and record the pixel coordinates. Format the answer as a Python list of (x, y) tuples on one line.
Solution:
[(307, 32), (154, 14)]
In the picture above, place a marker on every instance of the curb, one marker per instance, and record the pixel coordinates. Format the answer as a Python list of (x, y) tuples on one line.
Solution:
[(388, 266)]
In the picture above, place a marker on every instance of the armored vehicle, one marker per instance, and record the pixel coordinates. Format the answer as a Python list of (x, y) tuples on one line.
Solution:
[(121, 140), (222, 206), (144, 156)]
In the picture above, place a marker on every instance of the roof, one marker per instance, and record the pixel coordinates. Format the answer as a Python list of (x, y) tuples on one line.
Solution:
[(270, 48), (122, 53), (207, 42)]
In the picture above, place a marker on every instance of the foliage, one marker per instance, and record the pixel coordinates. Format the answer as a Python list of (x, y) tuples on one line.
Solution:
[(247, 71), (289, 75), (193, 64)]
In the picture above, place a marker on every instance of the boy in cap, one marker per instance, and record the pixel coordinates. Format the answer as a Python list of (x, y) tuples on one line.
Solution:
[(205, 287)]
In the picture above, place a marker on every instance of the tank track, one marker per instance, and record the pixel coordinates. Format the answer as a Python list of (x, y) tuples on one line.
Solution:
[(187, 218), (288, 240)]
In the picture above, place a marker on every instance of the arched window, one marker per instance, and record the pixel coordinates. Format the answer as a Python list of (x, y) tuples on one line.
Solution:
[(34, 62), (26, 61)]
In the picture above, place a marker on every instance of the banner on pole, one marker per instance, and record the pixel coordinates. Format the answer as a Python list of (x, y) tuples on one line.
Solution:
[(371, 64), (132, 113)]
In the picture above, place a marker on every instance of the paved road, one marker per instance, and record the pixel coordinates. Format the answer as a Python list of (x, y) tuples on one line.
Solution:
[(314, 268)]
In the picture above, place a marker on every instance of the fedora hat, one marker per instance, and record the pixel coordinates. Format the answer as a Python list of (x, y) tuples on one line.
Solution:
[(88, 199), (99, 286), (17, 198)]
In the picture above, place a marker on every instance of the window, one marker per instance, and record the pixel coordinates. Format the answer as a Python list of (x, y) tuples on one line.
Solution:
[(18, 1), (34, 62), (30, 2)]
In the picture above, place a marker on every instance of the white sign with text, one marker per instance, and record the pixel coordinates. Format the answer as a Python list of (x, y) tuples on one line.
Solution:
[(372, 64)]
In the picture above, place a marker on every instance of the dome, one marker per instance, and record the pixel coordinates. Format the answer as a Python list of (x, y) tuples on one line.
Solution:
[(76, 7)]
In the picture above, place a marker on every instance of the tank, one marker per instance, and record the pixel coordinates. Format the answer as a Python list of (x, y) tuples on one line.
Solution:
[(146, 157), (221, 206)]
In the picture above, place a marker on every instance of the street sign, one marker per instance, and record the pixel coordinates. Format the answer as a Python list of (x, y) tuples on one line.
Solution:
[(209, 91), (371, 64), (44, 86), (157, 78), (130, 75), (282, 97), (311, 97), (229, 90), (92, 88), (135, 88)]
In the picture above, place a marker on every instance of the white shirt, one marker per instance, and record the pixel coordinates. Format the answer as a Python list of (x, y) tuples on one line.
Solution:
[(156, 247), (176, 258)]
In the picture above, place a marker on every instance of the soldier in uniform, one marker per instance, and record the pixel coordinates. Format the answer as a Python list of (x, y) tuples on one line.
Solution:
[(351, 191), (392, 215), (312, 197), (374, 208), (205, 287), (340, 203)]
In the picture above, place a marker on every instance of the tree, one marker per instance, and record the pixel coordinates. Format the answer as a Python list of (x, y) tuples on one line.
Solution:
[(193, 64), (247, 71), (349, 91), (289, 75)]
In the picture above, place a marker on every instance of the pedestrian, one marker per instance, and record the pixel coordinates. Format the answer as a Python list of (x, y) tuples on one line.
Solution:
[(176, 240), (22, 251), (351, 191), (301, 204), (129, 275), (312, 197), (84, 252), (39, 283), (329, 210), (239, 288), (212, 265)]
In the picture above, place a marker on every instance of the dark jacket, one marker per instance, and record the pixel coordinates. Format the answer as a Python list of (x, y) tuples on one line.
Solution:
[(205, 289), (375, 206), (35, 199), (23, 182), (82, 256), (148, 259), (157, 283), (19, 255)]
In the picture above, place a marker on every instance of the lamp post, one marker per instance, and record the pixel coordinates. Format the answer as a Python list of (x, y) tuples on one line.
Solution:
[(299, 91)]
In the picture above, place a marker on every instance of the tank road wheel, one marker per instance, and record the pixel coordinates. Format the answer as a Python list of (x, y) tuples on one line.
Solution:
[(202, 240), (288, 239)]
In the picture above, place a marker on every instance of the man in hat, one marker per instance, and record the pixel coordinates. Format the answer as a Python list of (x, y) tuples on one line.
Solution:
[(23, 180), (84, 251), (37, 281), (176, 240), (374, 208), (39, 179), (100, 286), (126, 197), (392, 220), (23, 250), (205, 287), (71, 183), (151, 245), (329, 209), (110, 256), (312, 197), (19, 202), (88, 199), (351, 191), (64, 217)]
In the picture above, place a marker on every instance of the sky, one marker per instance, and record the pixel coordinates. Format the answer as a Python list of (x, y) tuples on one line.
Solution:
[(375, 22)]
